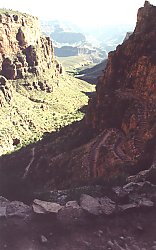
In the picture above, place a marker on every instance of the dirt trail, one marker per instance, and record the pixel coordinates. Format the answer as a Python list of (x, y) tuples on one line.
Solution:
[(95, 150), (30, 163)]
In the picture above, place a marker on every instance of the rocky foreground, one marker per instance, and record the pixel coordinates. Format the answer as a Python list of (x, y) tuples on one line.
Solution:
[(122, 217)]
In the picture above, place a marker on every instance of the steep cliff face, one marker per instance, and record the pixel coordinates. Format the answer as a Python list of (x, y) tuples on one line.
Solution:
[(27, 64), (22, 47), (126, 99), (130, 73)]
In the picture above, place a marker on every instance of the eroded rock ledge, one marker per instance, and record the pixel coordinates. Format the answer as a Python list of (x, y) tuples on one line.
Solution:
[(22, 46), (138, 193), (24, 50)]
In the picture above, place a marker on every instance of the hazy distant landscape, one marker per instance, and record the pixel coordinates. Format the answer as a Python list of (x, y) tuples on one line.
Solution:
[(78, 47)]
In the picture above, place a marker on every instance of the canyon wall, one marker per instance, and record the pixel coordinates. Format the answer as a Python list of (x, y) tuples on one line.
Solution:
[(29, 72), (125, 100), (130, 74), (23, 48)]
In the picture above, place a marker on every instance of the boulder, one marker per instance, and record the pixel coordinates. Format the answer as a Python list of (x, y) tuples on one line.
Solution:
[(97, 206), (121, 194), (145, 175), (108, 206), (3, 200), (140, 189), (14, 208), (3, 206), (43, 239), (2, 211), (45, 207), (145, 202), (127, 207), (72, 204), (140, 202), (69, 215), (90, 204), (18, 209)]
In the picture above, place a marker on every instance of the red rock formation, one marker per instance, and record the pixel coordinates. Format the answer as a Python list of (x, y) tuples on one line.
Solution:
[(130, 73), (126, 94), (22, 47)]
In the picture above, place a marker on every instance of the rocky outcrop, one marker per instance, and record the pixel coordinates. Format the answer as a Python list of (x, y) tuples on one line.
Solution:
[(97, 206), (5, 90), (43, 207), (132, 196), (76, 229), (23, 48), (128, 34), (137, 195), (14, 209), (129, 74), (26, 54)]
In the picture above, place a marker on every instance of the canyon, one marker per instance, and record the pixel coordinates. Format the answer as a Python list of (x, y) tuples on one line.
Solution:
[(98, 173), (117, 136)]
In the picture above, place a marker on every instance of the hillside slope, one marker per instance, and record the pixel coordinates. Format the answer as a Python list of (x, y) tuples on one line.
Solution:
[(32, 112), (36, 96), (91, 74)]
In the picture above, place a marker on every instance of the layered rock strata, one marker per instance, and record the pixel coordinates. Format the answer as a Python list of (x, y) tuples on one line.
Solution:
[(22, 47), (125, 101)]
